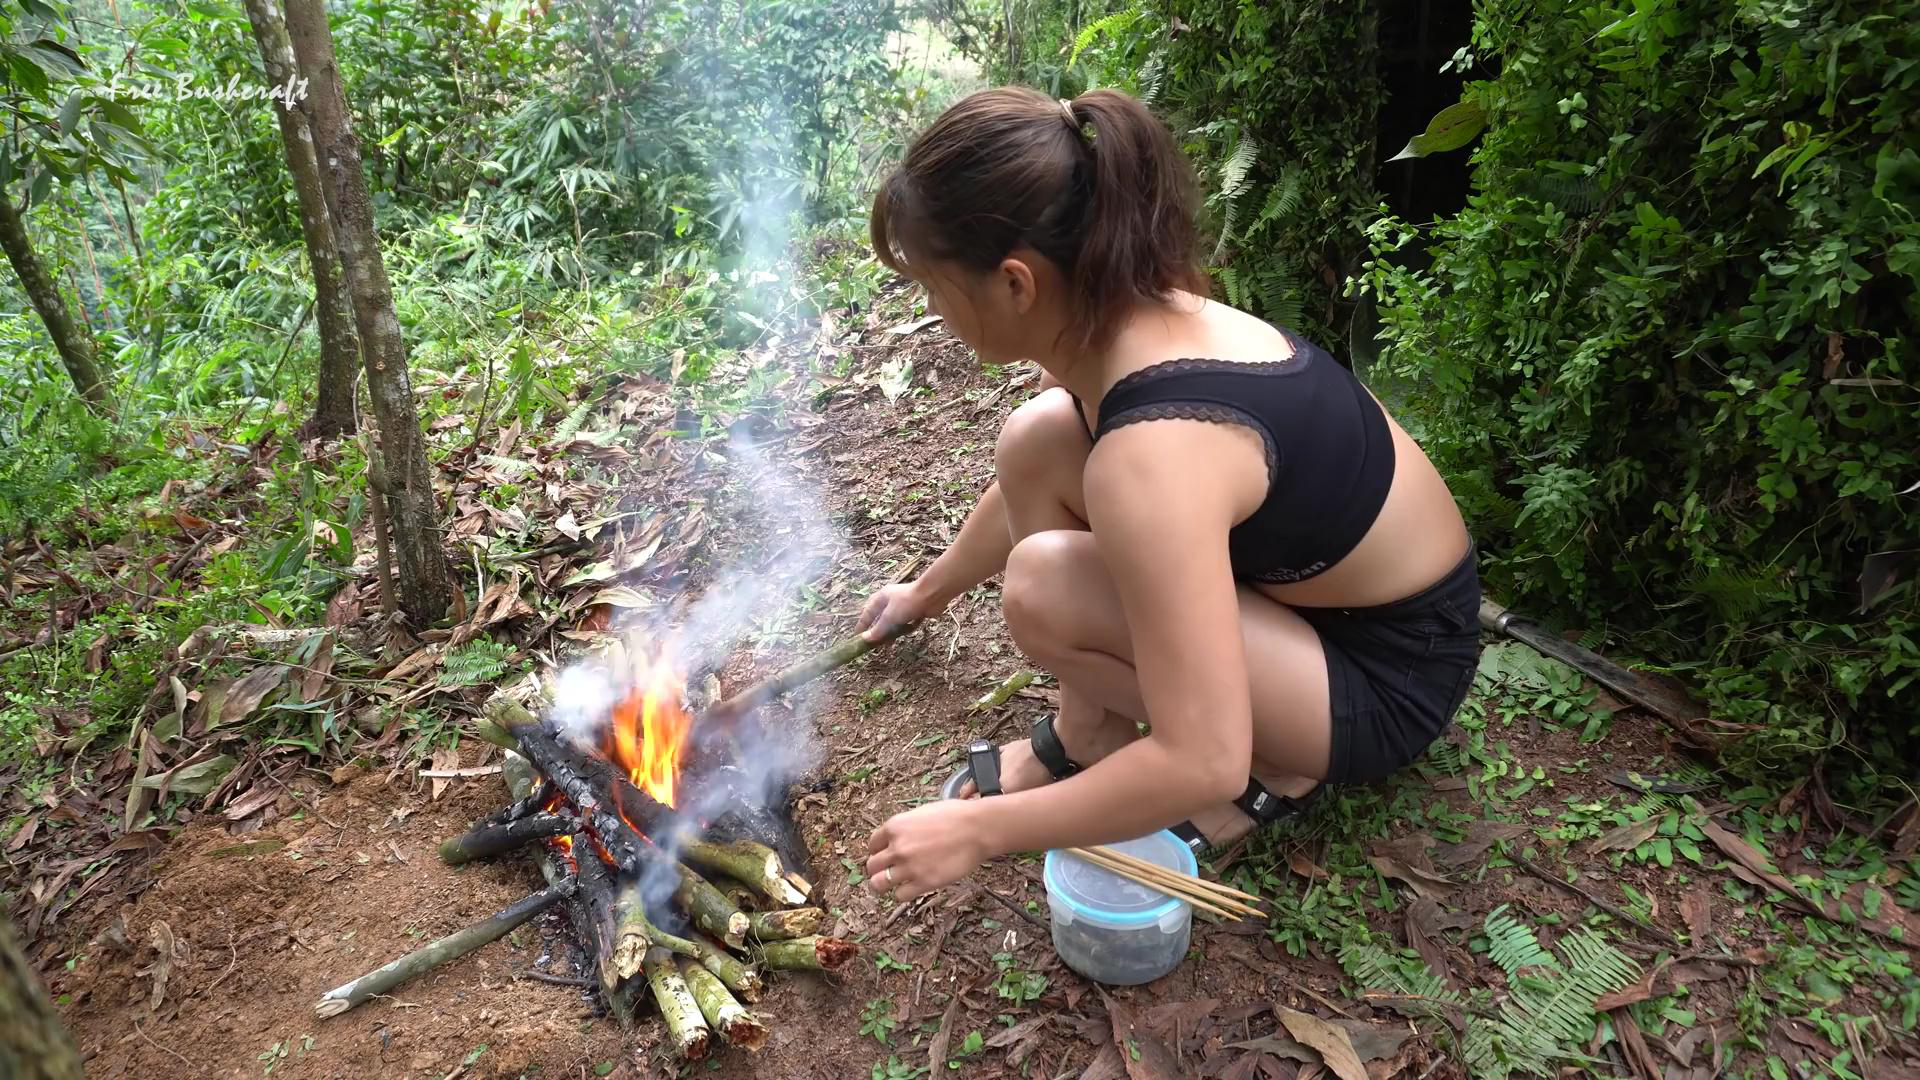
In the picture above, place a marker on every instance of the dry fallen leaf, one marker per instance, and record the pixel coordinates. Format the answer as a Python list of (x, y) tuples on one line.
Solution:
[(190, 523), (314, 679), (1425, 885), (1749, 858), (1626, 837), (445, 759), (246, 693), (161, 937), (1631, 994), (418, 663), (1298, 862), (1481, 836), (1697, 909), (937, 1047), (1634, 1046), (1336, 1050), (1423, 933), (1142, 1053), (344, 608)]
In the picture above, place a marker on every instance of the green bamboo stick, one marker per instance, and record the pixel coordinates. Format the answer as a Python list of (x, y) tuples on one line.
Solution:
[(739, 976), (722, 1010), (452, 947), (807, 954), (685, 1024), (800, 674), (710, 909), (750, 862), (786, 924)]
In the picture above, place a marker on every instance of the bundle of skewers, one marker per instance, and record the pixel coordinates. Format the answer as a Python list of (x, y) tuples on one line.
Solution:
[(1209, 896)]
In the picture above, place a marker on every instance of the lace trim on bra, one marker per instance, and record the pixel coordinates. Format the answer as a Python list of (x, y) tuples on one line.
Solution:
[(1186, 365), (1211, 412)]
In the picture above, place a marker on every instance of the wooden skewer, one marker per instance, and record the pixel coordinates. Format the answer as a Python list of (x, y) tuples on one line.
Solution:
[(1211, 886), (1164, 886), (1219, 894), (1203, 901)]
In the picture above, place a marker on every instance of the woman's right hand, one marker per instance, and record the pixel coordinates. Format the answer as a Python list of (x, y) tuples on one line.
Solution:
[(896, 605)]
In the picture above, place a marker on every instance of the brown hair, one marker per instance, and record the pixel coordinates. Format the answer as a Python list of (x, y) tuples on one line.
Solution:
[(1096, 185)]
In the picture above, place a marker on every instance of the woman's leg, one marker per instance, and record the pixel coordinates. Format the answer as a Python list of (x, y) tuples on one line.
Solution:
[(1039, 461), (1065, 613)]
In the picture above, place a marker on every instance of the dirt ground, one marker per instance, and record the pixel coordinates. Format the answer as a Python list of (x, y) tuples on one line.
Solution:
[(256, 921)]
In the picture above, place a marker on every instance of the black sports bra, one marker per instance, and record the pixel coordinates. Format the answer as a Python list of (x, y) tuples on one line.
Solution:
[(1329, 449)]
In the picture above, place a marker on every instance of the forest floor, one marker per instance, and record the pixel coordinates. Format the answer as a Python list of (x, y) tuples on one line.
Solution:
[(1555, 848)]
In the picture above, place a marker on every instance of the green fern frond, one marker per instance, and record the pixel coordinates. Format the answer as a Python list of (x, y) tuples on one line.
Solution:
[(1235, 171), (1512, 944), (569, 427), (1110, 24), (506, 466), (1735, 593), (1153, 77), (1593, 637), (475, 663), (1280, 300), (1283, 198), (1446, 756), (1234, 285), (1374, 968), (1559, 1006), (1577, 195)]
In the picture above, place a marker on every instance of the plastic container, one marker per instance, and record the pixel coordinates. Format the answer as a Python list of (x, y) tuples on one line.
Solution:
[(1111, 929)]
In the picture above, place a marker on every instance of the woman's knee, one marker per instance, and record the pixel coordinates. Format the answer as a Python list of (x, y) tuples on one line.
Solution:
[(1040, 436), (1044, 573)]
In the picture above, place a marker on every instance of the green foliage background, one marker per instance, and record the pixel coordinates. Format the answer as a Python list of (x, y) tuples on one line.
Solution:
[(1665, 354)]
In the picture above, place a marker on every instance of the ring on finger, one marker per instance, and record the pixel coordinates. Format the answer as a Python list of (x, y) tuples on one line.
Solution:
[(887, 872)]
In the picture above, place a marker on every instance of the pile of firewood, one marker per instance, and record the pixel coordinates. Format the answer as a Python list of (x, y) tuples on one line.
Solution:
[(691, 912)]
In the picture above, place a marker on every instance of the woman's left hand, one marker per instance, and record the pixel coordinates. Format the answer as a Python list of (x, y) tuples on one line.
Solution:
[(926, 848)]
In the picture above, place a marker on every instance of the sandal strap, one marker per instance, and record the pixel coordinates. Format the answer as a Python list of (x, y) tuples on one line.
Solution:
[(1048, 750), (1265, 808), (983, 761), (1191, 836)]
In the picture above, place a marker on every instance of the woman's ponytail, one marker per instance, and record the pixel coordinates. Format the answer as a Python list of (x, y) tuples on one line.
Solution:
[(1137, 237)]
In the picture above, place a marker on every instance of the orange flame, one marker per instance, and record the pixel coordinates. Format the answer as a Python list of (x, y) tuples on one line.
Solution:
[(649, 729)]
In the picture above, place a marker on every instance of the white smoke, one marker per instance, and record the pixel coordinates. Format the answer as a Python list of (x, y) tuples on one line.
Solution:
[(747, 594)]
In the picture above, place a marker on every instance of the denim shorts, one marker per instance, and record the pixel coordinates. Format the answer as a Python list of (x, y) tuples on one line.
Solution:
[(1396, 673)]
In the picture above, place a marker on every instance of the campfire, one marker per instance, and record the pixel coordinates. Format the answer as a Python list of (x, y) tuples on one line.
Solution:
[(680, 869)]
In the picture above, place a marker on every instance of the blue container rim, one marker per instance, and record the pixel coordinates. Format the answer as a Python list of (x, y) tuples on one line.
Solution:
[(1057, 894)]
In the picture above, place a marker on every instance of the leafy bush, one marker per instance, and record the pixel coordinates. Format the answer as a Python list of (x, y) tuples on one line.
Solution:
[(1665, 355)]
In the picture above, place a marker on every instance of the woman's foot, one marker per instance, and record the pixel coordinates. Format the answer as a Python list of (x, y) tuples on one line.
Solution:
[(1227, 822), (1019, 770)]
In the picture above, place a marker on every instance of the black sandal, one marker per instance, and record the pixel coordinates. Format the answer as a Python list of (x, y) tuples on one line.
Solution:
[(1263, 806), (983, 767)]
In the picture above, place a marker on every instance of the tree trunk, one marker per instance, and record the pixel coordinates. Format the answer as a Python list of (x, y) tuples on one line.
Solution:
[(333, 312), (33, 1043), (70, 339), (426, 578)]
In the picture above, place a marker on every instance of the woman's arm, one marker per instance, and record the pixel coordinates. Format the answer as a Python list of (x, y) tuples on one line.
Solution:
[(1161, 497), (978, 553)]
